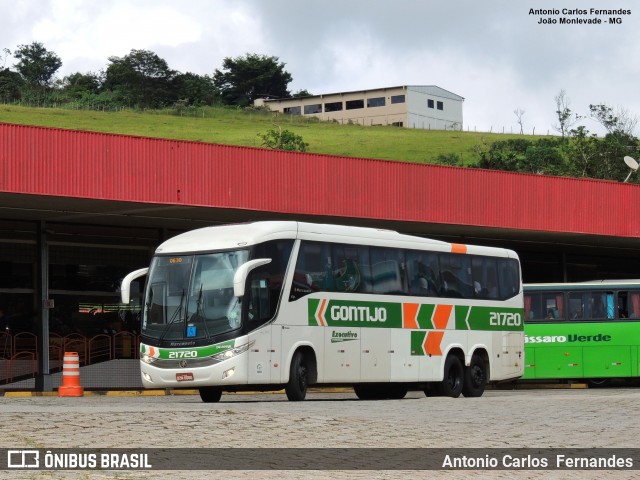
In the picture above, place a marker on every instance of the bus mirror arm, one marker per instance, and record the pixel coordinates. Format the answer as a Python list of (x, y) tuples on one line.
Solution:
[(125, 286), (240, 277)]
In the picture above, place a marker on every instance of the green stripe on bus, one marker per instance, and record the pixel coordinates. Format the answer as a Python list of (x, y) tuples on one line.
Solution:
[(493, 318), (417, 341), (461, 312), (195, 352), (425, 314), (348, 313)]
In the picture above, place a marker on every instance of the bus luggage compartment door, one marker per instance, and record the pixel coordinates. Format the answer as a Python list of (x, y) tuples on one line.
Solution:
[(559, 362)]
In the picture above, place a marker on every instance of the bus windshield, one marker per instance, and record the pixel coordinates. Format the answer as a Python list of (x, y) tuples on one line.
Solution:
[(190, 297)]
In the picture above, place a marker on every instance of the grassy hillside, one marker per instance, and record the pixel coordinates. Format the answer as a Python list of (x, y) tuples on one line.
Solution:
[(236, 127)]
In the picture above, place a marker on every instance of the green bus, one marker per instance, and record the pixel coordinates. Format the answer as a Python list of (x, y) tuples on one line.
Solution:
[(582, 331)]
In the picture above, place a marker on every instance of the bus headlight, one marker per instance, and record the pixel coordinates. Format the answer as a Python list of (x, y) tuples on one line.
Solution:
[(148, 359), (232, 352)]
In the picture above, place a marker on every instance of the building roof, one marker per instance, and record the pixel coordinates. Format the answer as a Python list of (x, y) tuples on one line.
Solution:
[(72, 176), (434, 89)]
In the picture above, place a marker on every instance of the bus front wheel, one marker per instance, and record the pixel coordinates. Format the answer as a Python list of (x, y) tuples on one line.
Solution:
[(210, 394), (452, 382), (296, 389)]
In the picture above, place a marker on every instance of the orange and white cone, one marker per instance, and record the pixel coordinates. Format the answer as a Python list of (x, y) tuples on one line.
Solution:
[(71, 376)]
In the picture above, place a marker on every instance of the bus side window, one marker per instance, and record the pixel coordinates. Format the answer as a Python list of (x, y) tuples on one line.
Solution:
[(508, 277), (529, 313), (485, 277), (259, 308), (456, 275), (351, 268), (387, 271), (544, 306), (314, 272), (266, 281), (611, 309), (578, 303), (423, 273), (634, 304)]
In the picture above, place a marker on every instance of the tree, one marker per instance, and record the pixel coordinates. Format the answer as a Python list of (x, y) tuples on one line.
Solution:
[(79, 84), (141, 79), (283, 140), (566, 118), (620, 121), (302, 94), (543, 156), (194, 89), (36, 64), (7, 54), (11, 84), (243, 79), (519, 113)]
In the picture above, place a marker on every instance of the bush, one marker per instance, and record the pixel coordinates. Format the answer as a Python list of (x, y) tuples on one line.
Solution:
[(283, 140)]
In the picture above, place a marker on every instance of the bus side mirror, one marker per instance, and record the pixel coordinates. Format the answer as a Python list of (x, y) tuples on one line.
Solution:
[(125, 286), (240, 277)]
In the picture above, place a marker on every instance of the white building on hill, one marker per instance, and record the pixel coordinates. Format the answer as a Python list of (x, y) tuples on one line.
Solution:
[(410, 106)]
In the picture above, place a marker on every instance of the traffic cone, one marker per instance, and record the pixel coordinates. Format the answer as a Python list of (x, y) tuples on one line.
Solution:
[(71, 376)]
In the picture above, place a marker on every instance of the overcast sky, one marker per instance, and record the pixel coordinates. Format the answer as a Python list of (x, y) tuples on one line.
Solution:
[(491, 52)]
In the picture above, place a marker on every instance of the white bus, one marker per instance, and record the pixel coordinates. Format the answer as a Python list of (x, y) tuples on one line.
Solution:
[(283, 304)]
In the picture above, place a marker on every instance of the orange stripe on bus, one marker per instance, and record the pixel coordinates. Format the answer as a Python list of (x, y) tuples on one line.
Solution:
[(458, 248), (432, 343), (320, 314), (410, 315), (441, 316)]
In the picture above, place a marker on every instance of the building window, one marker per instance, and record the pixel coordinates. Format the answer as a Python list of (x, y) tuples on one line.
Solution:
[(430, 103), (375, 102), (311, 109), (397, 99), (440, 106), (354, 104), (333, 107), (292, 110)]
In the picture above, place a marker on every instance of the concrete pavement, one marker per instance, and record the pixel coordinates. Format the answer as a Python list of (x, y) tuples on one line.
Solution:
[(558, 418)]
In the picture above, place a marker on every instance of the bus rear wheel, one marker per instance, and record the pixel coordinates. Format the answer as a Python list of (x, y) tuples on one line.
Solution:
[(475, 377), (453, 379), (433, 389), (210, 394), (598, 382), (296, 389)]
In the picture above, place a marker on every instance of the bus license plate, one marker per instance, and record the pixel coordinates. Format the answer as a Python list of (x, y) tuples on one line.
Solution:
[(184, 377)]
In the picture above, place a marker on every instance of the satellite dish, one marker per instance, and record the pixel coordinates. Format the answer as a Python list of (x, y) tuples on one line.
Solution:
[(632, 164)]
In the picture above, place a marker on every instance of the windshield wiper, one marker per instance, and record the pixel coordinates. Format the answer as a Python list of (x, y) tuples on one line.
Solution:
[(173, 318), (200, 313)]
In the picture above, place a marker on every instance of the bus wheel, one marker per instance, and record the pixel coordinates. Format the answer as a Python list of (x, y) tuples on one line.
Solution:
[(296, 389), (210, 394), (453, 377), (598, 382), (433, 389), (475, 377), (366, 392), (397, 392)]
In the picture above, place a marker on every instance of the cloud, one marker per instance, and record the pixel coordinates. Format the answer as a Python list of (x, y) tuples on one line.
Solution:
[(494, 53)]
